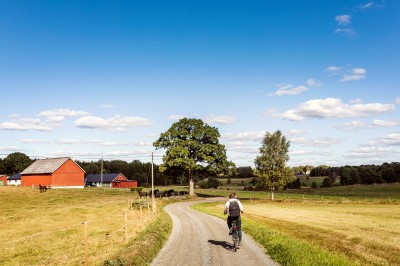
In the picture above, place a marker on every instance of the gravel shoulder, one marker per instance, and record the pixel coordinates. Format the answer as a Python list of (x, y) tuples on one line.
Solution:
[(201, 239)]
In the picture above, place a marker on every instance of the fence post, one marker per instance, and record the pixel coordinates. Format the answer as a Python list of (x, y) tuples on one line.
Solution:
[(85, 243), (141, 216), (126, 227)]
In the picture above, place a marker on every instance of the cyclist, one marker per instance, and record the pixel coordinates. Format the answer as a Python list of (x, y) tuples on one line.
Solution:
[(234, 208)]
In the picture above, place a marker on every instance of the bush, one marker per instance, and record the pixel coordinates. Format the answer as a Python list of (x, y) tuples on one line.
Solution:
[(314, 185), (203, 184), (140, 202), (327, 182)]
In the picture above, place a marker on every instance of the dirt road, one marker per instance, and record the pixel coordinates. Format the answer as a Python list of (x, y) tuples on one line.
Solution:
[(201, 239)]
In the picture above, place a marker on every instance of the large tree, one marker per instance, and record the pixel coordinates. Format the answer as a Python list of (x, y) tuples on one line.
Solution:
[(15, 163), (192, 148), (271, 170)]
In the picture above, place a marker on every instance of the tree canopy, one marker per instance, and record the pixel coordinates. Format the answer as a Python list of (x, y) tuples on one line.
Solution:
[(192, 148), (271, 170), (15, 163)]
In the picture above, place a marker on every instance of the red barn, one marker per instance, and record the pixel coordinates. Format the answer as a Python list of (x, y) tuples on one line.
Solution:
[(116, 180), (55, 173), (3, 180)]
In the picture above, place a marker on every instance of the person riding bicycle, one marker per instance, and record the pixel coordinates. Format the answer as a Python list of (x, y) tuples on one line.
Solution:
[(234, 208)]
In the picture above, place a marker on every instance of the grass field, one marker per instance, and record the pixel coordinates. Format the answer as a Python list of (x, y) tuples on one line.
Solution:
[(356, 225), (324, 229), (46, 228)]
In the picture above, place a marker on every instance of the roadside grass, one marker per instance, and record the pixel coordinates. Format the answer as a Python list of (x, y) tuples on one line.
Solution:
[(312, 232), (145, 246), (46, 228)]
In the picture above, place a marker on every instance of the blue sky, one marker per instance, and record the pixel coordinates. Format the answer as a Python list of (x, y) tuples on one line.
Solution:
[(88, 79)]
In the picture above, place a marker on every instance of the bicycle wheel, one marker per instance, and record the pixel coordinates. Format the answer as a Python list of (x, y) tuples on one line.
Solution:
[(235, 238)]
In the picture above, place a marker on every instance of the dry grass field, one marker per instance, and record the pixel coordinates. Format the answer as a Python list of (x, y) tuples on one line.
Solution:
[(365, 233), (46, 228)]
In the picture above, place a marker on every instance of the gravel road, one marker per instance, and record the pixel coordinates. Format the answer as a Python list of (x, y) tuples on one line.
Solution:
[(201, 239)]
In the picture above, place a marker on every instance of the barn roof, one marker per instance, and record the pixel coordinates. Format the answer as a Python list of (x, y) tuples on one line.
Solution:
[(46, 166), (96, 178), (15, 177)]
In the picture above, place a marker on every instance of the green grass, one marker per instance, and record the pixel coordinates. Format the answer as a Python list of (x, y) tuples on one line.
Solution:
[(389, 193)]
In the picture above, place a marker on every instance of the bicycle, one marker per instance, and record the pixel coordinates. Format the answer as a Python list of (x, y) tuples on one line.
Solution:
[(235, 235)]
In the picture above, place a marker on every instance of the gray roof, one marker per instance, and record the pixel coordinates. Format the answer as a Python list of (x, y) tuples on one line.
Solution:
[(15, 177), (107, 178), (46, 166)]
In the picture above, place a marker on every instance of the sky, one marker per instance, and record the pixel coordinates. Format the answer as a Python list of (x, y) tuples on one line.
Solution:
[(103, 79)]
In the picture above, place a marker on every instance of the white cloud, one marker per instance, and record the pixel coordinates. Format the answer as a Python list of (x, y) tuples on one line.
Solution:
[(116, 123), (125, 143), (25, 123), (317, 142), (219, 119), (385, 123), (35, 141), (8, 148), (372, 4), (392, 139), (313, 83), (367, 5), (77, 141), (333, 69), (397, 100), (288, 89), (334, 108), (353, 125), (371, 152), (343, 19), (58, 115), (357, 73), (309, 152), (346, 31)]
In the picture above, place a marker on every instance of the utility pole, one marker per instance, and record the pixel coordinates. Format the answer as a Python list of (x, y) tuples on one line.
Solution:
[(152, 185)]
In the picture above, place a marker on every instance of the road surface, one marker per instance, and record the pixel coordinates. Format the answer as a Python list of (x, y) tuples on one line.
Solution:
[(201, 239)]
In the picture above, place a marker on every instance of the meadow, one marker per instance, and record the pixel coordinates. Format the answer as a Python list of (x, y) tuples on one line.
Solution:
[(47, 228), (356, 225)]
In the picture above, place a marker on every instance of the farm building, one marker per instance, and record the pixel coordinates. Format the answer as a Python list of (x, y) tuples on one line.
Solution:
[(56, 173), (3, 180), (14, 180), (109, 180)]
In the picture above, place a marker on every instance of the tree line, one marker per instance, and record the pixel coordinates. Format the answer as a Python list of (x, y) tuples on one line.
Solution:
[(362, 174), (16, 162)]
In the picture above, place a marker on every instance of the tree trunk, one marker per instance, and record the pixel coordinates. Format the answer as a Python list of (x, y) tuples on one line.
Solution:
[(191, 187), (272, 194)]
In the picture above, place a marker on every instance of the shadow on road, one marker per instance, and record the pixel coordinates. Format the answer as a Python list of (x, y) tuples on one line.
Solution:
[(223, 244)]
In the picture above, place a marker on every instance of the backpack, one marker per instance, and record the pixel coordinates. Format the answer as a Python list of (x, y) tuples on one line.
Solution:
[(234, 209)]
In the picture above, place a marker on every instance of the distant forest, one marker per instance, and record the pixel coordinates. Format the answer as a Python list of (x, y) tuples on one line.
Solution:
[(136, 170)]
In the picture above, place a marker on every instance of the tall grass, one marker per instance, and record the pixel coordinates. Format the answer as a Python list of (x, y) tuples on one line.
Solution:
[(46, 228), (322, 232)]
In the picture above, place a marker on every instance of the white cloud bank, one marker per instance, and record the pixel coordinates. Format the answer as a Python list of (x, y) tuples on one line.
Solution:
[(334, 108), (116, 123)]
